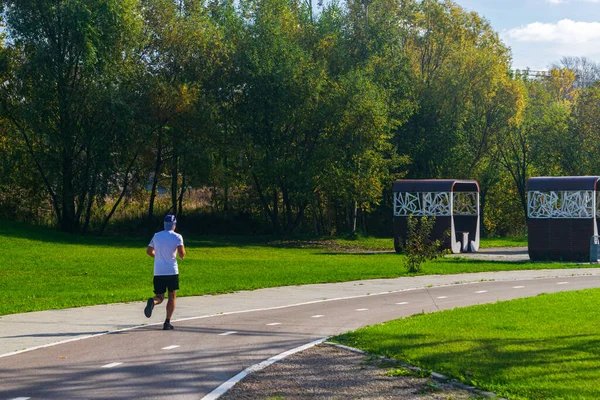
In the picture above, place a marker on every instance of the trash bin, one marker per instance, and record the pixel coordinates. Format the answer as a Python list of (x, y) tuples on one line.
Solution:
[(594, 249)]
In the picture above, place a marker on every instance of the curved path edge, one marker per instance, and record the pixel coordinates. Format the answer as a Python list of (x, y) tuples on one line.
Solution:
[(35, 330), (221, 390)]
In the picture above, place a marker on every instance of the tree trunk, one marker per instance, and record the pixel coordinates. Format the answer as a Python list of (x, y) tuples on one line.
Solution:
[(90, 203), (68, 223), (174, 182), (180, 211), (115, 206), (157, 166), (354, 216), (270, 213)]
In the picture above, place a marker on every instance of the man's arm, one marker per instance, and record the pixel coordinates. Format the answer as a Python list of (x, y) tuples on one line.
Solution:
[(181, 251), (150, 251)]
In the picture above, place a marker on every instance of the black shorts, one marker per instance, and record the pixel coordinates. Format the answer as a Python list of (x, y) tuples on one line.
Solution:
[(162, 282)]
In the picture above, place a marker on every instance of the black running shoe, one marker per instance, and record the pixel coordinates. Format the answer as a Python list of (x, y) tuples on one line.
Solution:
[(149, 307), (167, 326)]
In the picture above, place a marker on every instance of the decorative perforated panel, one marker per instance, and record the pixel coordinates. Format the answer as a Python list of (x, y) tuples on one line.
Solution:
[(563, 204), (422, 204), (465, 203)]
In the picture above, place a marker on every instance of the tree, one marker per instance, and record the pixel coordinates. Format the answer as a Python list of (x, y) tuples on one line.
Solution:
[(69, 58), (460, 70), (586, 71), (179, 57), (370, 99), (585, 132), (282, 88)]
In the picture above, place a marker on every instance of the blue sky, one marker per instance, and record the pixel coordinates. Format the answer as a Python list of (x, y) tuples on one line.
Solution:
[(540, 32)]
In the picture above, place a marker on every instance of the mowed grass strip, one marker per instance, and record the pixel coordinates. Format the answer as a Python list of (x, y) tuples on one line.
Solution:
[(387, 244), (545, 347), (43, 269)]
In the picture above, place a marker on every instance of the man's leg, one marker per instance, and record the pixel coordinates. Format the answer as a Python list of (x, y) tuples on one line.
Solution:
[(170, 309), (152, 301), (160, 288), (171, 304)]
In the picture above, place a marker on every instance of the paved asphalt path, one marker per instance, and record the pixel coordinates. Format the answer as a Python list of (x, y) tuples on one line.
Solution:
[(207, 347)]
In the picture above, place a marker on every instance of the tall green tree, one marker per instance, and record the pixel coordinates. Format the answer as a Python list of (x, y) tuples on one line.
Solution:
[(282, 85), (460, 69), (69, 57)]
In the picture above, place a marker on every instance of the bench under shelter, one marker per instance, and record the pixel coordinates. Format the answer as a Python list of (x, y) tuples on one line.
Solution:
[(453, 203), (562, 215)]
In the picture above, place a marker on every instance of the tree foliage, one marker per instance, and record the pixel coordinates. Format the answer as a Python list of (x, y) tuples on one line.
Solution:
[(294, 118)]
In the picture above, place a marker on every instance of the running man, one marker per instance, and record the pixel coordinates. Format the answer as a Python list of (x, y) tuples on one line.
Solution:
[(164, 247)]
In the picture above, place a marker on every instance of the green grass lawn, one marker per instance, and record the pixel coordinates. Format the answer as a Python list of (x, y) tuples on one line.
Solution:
[(503, 242), (545, 347), (43, 269), (373, 243)]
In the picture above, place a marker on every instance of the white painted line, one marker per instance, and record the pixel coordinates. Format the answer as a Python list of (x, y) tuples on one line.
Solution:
[(481, 291), (362, 309), (274, 323), (43, 346), (317, 316), (518, 287), (562, 283), (111, 365), (442, 297), (170, 347), (218, 392), (402, 303), (227, 333), (21, 398)]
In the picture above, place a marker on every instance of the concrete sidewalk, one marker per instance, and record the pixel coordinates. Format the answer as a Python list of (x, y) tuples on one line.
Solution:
[(19, 332)]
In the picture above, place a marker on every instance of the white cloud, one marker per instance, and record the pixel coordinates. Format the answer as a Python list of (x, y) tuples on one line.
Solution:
[(538, 44), (555, 1), (564, 31)]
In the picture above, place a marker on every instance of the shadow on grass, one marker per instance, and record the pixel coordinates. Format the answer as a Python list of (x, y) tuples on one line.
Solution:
[(11, 229), (513, 366)]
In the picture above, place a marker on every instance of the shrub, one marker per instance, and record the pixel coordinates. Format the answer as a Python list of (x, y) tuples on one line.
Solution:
[(418, 246)]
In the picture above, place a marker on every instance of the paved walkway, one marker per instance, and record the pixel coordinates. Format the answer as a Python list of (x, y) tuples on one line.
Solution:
[(506, 254), (20, 332)]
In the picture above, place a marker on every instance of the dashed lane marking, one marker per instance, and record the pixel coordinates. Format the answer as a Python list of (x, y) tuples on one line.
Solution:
[(518, 287), (362, 309), (317, 316), (562, 283), (21, 398), (402, 303), (274, 323), (170, 347), (227, 333), (481, 291), (120, 331), (111, 365), (442, 297)]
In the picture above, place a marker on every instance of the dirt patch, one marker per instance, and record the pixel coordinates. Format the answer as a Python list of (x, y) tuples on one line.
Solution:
[(327, 372)]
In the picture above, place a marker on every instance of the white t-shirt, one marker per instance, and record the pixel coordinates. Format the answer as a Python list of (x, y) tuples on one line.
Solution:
[(165, 252)]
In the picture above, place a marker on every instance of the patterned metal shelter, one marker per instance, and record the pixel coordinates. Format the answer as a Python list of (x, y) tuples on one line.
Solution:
[(454, 203), (562, 213)]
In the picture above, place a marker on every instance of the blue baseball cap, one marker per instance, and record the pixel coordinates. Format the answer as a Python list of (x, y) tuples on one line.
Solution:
[(170, 219)]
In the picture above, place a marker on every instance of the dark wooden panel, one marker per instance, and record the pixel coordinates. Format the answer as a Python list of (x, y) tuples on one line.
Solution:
[(559, 239)]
